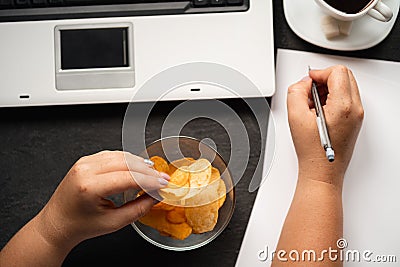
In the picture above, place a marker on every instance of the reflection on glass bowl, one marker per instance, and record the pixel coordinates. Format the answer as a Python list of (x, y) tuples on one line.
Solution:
[(173, 148)]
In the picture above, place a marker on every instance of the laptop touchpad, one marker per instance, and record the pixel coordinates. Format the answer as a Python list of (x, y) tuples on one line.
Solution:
[(94, 57)]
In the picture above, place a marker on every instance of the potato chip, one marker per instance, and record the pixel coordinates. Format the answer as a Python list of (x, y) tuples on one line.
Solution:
[(157, 219), (179, 231), (214, 174), (153, 218), (207, 195), (200, 174), (173, 193), (165, 234), (201, 211), (163, 206), (180, 177), (174, 165), (177, 215), (204, 218), (160, 164), (194, 184), (221, 192), (178, 186)]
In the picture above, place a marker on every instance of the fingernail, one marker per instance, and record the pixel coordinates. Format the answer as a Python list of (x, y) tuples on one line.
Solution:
[(149, 162), (162, 181), (165, 176), (306, 79)]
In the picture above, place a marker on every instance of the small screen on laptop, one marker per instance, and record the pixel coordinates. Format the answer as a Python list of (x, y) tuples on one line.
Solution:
[(94, 48)]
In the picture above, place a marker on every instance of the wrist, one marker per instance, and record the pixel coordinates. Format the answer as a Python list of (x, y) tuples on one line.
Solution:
[(324, 187), (53, 233), (321, 170)]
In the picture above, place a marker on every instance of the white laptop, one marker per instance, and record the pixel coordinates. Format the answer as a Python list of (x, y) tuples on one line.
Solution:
[(56, 52)]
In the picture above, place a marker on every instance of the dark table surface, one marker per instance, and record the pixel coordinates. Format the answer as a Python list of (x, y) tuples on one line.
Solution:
[(39, 145)]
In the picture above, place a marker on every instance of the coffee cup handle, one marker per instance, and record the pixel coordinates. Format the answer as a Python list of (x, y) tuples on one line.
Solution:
[(381, 12)]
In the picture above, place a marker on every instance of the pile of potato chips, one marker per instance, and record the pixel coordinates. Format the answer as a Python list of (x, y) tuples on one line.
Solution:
[(191, 200)]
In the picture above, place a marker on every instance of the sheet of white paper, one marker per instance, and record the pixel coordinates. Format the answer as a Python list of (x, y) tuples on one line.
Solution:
[(372, 183)]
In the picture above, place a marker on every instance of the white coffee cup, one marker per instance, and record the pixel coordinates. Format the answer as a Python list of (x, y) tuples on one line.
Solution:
[(375, 9)]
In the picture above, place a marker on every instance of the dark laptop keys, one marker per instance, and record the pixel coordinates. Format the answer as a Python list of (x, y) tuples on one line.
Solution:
[(200, 3), (84, 2), (235, 2), (112, 2), (22, 3), (217, 2), (6, 3), (55, 2), (39, 2), (51, 9)]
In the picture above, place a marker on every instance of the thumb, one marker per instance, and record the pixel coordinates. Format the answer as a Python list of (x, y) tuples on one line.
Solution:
[(134, 210), (297, 98)]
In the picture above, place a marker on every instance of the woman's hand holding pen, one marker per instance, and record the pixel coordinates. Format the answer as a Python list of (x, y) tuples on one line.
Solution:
[(344, 115), (315, 218)]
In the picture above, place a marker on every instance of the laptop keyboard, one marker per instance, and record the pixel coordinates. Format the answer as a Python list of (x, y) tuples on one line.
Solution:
[(23, 10)]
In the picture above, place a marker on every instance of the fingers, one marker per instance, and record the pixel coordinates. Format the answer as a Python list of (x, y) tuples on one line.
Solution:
[(298, 98), (120, 181), (337, 79), (342, 87), (354, 89), (323, 94), (111, 161), (134, 210)]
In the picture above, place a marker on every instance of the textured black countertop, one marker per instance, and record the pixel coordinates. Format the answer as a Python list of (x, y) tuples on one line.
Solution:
[(39, 145)]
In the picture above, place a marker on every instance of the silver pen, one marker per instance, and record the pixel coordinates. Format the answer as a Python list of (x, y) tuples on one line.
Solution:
[(321, 124)]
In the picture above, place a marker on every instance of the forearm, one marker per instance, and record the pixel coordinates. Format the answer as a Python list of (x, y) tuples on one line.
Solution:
[(314, 222), (30, 248)]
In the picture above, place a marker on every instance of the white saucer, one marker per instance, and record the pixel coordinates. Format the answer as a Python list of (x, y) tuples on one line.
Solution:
[(304, 18)]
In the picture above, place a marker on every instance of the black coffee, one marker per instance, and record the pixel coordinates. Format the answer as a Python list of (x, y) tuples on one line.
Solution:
[(348, 6)]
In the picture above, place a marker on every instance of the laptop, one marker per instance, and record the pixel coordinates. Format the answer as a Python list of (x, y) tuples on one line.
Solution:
[(57, 52)]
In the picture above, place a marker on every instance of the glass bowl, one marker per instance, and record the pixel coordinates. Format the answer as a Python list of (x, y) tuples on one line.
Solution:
[(173, 148)]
